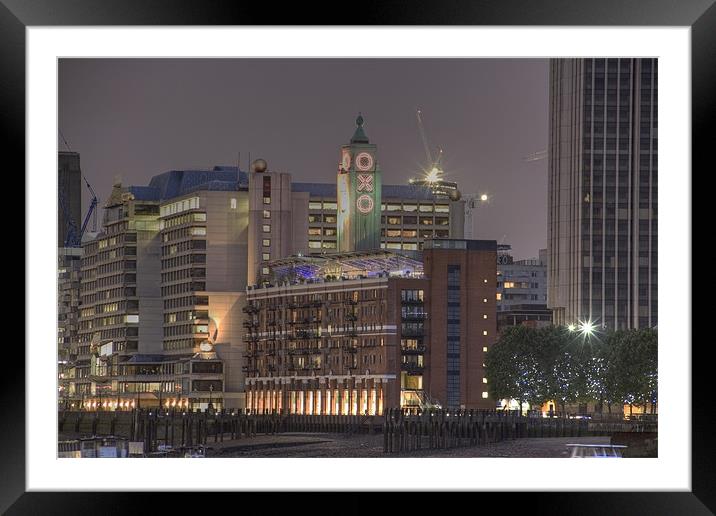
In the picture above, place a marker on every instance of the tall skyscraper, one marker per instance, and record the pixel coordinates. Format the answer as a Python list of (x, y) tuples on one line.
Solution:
[(602, 222), (359, 194), (69, 207)]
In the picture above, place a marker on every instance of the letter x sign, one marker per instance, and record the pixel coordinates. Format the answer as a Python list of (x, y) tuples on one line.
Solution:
[(365, 182)]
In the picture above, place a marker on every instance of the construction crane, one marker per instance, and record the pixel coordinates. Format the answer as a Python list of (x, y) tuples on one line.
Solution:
[(71, 235), (92, 211), (536, 156), (433, 178), (74, 237)]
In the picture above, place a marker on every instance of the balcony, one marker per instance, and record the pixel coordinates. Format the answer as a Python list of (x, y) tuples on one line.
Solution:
[(412, 302), (412, 368), (412, 332), (417, 350), (414, 316)]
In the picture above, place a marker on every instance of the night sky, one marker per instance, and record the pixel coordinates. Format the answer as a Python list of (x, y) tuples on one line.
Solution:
[(140, 117)]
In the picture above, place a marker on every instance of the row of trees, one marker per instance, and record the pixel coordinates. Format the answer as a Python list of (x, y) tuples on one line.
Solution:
[(553, 363)]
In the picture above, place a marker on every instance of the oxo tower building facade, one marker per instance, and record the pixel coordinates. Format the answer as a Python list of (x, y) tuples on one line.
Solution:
[(359, 194)]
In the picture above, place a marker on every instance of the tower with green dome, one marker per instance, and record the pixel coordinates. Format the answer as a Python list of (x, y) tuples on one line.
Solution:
[(359, 194)]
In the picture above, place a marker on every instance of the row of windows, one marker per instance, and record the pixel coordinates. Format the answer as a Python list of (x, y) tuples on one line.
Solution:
[(183, 233), (108, 281), (186, 329), (182, 247), (181, 302), (408, 207), (188, 315), (116, 266), (183, 274), (182, 219), (182, 288), (116, 253), (180, 261), (178, 344), (179, 206), (423, 221), (322, 231)]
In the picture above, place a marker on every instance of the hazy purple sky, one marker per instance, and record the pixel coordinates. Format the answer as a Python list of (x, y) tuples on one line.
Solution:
[(140, 117)]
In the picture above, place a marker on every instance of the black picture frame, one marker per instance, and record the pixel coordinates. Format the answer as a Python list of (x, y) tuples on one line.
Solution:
[(700, 15)]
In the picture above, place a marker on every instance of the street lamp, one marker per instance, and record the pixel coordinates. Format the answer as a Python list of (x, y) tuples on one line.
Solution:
[(586, 328)]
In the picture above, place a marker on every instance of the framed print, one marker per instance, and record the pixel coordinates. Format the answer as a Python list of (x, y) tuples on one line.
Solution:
[(281, 241)]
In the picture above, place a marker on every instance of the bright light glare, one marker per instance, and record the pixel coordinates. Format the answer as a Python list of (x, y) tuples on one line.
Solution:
[(571, 327), (483, 197), (433, 175), (586, 328)]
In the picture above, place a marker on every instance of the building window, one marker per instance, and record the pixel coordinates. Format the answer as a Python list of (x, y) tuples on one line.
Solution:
[(484, 332), (484, 316), (266, 242), (484, 380), (265, 271), (267, 200), (200, 217), (484, 349), (265, 256), (198, 231), (266, 228), (314, 205), (233, 203), (499, 296), (484, 300), (426, 207), (314, 231), (132, 319), (314, 244), (484, 394), (267, 214)]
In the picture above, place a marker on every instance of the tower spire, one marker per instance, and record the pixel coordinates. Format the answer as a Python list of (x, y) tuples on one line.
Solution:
[(359, 135)]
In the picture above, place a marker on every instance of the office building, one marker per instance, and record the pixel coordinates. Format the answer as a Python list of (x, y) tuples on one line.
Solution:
[(162, 287), (69, 191), (521, 290), (602, 222)]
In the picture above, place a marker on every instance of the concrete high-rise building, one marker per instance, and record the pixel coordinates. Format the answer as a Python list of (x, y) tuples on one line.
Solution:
[(69, 207), (602, 222), (162, 287)]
